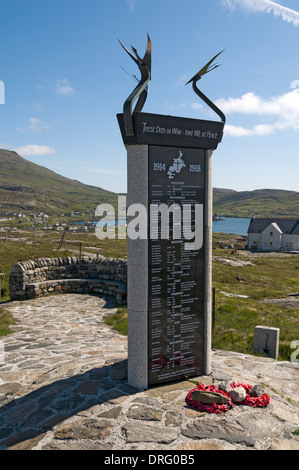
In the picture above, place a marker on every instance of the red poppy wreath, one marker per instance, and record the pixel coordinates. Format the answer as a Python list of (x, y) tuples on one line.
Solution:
[(221, 405)]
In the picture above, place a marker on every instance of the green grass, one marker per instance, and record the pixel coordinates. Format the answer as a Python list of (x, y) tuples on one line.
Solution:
[(268, 277), (6, 321), (118, 321), (236, 318)]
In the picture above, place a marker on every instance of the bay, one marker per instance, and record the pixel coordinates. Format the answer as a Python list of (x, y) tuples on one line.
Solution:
[(233, 225)]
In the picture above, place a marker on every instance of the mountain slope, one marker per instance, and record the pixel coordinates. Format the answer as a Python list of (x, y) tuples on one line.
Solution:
[(261, 202), (31, 188), (27, 186)]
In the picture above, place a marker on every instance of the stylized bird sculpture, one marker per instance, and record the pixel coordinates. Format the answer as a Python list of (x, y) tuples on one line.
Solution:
[(206, 69), (141, 91)]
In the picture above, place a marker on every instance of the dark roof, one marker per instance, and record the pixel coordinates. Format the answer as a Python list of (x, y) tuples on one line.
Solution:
[(287, 226), (295, 229)]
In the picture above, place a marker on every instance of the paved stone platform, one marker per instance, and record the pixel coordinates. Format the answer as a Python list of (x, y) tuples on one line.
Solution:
[(63, 386)]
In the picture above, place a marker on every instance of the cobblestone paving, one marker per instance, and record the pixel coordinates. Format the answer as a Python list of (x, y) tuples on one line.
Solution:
[(63, 386)]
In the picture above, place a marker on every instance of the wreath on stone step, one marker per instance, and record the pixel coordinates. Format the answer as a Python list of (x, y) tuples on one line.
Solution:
[(212, 399)]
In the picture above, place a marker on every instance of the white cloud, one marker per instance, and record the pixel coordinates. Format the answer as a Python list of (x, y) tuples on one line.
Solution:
[(36, 107), (258, 130), (230, 4), (267, 6), (60, 86), (132, 4), (173, 107), (286, 105), (284, 109), (36, 125), (63, 87), (197, 106), (32, 150)]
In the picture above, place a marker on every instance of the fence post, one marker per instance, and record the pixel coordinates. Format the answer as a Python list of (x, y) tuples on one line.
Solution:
[(2, 353), (213, 307), (2, 278)]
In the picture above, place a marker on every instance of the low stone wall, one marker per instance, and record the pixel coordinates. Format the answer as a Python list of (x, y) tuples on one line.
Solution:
[(108, 276)]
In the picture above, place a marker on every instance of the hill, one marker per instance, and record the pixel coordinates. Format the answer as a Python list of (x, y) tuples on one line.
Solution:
[(261, 202), (31, 188), (28, 187)]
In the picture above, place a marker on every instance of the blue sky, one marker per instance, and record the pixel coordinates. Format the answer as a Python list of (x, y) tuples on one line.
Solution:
[(60, 62)]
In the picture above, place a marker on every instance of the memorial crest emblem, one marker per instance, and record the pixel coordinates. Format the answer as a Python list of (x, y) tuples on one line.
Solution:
[(176, 167)]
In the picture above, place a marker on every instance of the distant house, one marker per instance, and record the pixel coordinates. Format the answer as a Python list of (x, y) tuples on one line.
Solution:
[(273, 234)]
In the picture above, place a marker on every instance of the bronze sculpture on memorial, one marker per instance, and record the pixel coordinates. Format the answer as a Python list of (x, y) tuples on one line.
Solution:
[(206, 69), (141, 90)]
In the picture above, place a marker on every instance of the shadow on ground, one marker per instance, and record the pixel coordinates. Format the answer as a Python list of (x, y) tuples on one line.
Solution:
[(42, 409)]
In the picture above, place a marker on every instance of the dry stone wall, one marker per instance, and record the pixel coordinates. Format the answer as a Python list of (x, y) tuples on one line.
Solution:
[(108, 276)]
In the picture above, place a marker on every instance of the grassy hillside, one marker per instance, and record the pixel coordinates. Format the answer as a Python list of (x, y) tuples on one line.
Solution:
[(262, 203), (29, 187)]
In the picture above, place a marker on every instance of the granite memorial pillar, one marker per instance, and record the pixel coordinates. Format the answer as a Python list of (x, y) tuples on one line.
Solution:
[(169, 235)]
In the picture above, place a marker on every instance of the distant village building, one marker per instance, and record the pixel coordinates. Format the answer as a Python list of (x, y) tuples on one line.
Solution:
[(273, 234)]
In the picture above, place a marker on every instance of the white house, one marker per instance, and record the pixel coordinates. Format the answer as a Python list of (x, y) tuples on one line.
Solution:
[(273, 234)]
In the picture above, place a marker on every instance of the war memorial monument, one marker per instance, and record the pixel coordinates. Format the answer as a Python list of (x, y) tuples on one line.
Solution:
[(169, 162)]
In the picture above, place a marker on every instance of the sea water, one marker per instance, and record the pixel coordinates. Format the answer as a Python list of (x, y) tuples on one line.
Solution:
[(234, 225)]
